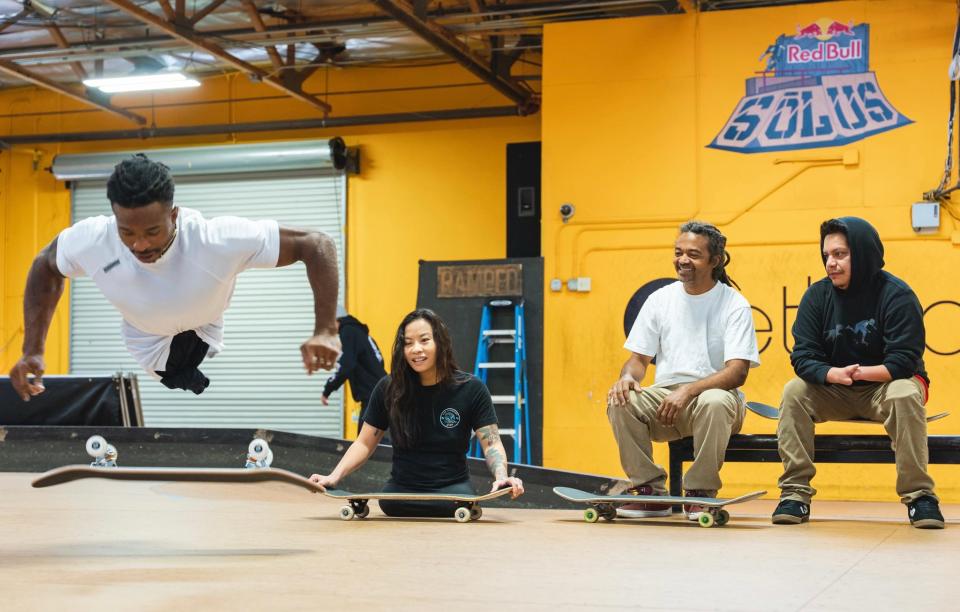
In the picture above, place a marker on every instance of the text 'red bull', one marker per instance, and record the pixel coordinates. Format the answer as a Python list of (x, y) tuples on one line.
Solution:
[(825, 52)]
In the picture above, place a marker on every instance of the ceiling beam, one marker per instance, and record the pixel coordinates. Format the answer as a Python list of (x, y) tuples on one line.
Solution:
[(197, 16), (453, 47), (62, 42), (477, 7), (21, 73), (9, 22), (191, 37), (524, 43), (257, 22), (168, 11)]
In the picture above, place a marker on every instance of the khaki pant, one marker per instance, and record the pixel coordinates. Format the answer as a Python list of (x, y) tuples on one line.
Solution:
[(711, 419), (897, 404)]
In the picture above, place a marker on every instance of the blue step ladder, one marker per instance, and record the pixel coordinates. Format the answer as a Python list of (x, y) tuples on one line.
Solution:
[(487, 339)]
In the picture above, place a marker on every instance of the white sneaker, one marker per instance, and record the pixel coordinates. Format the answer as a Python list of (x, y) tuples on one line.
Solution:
[(693, 511)]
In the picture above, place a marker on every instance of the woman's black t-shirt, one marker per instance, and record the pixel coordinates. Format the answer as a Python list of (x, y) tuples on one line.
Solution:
[(446, 417)]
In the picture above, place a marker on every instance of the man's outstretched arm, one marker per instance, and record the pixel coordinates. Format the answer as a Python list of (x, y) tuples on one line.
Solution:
[(44, 288), (319, 254)]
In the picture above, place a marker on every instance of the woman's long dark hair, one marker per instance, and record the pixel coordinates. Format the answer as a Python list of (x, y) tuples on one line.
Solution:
[(404, 380)]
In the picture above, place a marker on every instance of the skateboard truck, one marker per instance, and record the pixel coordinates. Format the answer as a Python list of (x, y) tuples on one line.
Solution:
[(468, 511), (355, 508), (259, 455), (104, 455)]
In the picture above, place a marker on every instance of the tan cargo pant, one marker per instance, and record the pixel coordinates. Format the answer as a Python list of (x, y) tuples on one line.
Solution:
[(897, 404), (711, 419)]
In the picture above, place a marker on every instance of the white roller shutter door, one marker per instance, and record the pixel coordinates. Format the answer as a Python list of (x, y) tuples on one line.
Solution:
[(258, 380)]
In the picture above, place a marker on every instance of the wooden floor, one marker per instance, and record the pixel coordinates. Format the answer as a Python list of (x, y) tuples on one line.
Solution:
[(104, 546)]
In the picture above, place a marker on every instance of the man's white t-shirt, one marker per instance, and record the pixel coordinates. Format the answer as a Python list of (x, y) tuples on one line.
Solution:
[(693, 336), (189, 287)]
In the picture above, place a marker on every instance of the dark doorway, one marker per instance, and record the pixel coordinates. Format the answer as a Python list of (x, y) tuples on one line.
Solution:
[(523, 199)]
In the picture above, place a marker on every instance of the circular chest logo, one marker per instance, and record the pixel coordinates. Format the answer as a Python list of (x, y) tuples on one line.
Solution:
[(449, 418)]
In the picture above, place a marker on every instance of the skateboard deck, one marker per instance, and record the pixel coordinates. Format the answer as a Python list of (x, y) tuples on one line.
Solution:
[(605, 506), (70, 473), (468, 506), (769, 412)]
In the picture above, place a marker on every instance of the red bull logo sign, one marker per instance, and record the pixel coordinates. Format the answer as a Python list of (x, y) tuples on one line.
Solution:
[(826, 50), (816, 90)]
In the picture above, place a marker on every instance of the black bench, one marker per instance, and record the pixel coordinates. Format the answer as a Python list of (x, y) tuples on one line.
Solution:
[(749, 448)]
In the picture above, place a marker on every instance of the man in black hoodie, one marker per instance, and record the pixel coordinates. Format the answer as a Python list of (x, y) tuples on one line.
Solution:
[(858, 352), (360, 362)]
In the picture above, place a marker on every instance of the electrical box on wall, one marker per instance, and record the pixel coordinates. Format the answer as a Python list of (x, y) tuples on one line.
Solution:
[(925, 217)]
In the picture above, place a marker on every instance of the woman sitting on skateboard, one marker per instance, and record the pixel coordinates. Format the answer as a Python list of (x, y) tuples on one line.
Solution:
[(431, 409)]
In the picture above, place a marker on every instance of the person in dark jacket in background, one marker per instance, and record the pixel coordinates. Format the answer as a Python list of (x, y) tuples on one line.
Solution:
[(858, 353), (360, 362)]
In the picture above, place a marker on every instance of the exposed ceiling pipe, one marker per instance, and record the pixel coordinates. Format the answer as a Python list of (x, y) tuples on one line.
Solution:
[(263, 126)]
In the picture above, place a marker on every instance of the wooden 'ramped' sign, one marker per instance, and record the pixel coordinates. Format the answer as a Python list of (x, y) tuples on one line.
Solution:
[(485, 280)]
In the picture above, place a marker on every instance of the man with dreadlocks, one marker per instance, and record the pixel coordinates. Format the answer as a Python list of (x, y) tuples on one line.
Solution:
[(171, 274), (700, 331)]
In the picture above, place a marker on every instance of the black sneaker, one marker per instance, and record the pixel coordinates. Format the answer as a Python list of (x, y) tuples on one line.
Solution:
[(924, 513), (791, 512)]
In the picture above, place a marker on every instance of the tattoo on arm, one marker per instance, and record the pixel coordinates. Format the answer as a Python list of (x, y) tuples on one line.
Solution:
[(494, 454)]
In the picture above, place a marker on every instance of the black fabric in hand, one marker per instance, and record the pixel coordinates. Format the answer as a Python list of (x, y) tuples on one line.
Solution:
[(187, 351)]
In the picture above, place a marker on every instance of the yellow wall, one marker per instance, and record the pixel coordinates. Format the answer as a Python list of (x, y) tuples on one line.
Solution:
[(629, 107), (427, 190)]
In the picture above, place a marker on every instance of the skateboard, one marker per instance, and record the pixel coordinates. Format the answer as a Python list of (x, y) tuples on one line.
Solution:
[(468, 506), (769, 412), (605, 506), (256, 469), (70, 473)]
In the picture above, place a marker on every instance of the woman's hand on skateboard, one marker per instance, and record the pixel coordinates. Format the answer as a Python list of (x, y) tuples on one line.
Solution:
[(514, 483), (325, 482)]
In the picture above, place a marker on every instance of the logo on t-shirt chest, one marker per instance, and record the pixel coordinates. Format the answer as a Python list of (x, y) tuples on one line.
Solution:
[(449, 418)]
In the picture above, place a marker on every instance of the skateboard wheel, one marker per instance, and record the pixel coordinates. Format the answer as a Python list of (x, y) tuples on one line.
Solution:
[(475, 513), (723, 517), (706, 519), (96, 446), (363, 512), (609, 515), (347, 513), (258, 449), (462, 515), (591, 515)]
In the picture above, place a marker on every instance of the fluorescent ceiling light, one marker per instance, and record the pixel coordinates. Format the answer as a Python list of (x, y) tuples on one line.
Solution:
[(145, 82)]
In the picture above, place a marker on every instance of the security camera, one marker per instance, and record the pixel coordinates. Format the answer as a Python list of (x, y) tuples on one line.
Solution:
[(566, 211)]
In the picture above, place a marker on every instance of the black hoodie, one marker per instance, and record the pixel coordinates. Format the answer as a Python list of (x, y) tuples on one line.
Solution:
[(876, 320), (360, 361)]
